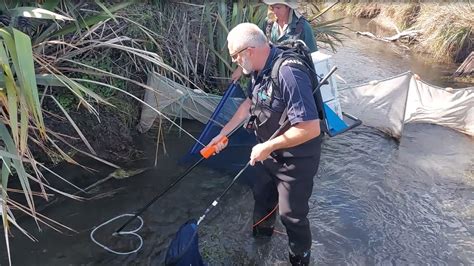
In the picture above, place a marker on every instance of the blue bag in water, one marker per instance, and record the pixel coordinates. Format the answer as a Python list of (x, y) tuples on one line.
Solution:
[(184, 248)]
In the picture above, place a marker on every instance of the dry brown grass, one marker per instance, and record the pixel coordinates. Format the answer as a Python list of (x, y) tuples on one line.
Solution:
[(399, 15), (447, 30), (360, 8), (447, 27)]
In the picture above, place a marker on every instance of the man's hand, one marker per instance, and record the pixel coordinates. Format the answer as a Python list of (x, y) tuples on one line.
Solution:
[(260, 152), (216, 140)]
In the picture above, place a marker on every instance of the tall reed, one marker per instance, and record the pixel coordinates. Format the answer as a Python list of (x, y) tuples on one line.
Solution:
[(33, 69), (195, 37)]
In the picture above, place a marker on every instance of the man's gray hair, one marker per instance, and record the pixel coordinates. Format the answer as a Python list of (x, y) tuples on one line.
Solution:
[(246, 35)]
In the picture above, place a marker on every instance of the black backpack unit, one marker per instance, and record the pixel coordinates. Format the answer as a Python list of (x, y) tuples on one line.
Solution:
[(297, 55)]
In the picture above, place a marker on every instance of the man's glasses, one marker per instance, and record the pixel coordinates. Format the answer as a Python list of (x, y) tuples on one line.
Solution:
[(234, 55)]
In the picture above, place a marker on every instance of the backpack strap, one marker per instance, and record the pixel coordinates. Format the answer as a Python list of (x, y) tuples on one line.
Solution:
[(285, 58), (300, 25), (297, 35), (276, 70), (295, 59), (268, 30)]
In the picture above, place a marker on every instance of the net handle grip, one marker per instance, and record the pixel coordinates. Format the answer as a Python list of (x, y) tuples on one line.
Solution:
[(207, 152)]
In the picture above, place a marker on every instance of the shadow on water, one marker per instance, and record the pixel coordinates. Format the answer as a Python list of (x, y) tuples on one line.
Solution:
[(375, 200)]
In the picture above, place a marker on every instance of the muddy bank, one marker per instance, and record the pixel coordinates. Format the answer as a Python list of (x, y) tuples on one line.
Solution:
[(110, 133)]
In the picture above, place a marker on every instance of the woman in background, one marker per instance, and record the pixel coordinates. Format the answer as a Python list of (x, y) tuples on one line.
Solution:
[(284, 23)]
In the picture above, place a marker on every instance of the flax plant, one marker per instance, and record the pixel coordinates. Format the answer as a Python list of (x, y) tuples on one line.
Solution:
[(31, 70), (328, 32), (194, 36), (21, 118)]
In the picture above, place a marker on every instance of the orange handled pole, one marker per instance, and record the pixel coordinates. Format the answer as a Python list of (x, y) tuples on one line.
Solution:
[(207, 152)]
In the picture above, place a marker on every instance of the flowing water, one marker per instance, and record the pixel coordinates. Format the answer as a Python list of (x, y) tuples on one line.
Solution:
[(375, 201)]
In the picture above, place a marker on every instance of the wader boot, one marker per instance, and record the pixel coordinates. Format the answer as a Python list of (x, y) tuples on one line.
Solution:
[(265, 228), (301, 259), (262, 232), (266, 198)]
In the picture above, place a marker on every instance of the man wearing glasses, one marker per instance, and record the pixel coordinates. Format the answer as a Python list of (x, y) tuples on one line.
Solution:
[(287, 163)]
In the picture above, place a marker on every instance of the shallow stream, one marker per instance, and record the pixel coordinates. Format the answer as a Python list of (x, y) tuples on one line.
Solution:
[(375, 200)]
